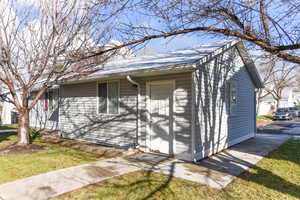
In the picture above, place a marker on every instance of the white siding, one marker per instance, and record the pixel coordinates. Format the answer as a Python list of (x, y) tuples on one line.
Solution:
[(39, 118)]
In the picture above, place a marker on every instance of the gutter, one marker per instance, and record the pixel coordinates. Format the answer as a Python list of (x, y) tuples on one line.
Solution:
[(137, 106)]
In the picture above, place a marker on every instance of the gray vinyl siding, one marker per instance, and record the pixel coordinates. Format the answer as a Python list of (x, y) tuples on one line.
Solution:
[(79, 118), (182, 112), (215, 127), (39, 118), (242, 123)]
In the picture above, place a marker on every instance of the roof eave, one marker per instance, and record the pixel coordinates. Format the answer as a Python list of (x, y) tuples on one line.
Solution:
[(139, 72), (249, 64)]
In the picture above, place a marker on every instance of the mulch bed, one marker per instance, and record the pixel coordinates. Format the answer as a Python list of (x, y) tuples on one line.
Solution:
[(21, 149)]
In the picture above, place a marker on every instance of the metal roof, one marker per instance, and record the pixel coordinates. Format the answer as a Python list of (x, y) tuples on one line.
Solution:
[(164, 62)]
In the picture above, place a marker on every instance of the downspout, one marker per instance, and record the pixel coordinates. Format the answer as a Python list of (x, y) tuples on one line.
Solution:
[(255, 112), (138, 109), (193, 108)]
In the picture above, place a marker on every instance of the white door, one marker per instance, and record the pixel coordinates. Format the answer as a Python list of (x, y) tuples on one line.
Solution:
[(161, 104)]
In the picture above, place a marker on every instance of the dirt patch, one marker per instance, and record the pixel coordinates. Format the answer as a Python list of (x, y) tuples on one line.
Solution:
[(95, 171), (213, 174), (19, 149), (263, 123), (46, 190)]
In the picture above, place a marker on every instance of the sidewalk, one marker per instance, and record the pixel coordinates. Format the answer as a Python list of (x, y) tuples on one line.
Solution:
[(8, 130), (44, 186), (216, 171), (220, 169)]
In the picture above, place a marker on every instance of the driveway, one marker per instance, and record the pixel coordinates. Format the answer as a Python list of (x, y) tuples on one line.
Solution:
[(282, 127)]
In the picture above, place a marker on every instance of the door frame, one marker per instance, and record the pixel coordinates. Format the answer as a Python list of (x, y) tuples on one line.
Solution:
[(172, 124)]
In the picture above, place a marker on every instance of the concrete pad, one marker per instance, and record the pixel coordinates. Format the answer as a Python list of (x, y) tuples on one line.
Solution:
[(220, 169), (281, 127), (149, 158), (54, 183)]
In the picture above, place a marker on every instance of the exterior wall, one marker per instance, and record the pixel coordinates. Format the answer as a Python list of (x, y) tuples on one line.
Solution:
[(7, 108), (79, 118), (266, 108), (39, 118), (182, 112), (215, 127)]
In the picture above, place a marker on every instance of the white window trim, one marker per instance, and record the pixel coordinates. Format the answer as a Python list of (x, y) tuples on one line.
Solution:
[(97, 95), (232, 112)]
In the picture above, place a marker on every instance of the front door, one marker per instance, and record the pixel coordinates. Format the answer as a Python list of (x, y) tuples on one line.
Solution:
[(161, 104)]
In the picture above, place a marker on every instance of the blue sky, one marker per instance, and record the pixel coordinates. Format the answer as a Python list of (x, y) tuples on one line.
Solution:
[(180, 42), (170, 43), (276, 9), (160, 45)]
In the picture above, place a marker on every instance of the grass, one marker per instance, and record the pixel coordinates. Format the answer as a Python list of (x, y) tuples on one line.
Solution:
[(16, 166), (8, 126), (261, 118), (277, 176)]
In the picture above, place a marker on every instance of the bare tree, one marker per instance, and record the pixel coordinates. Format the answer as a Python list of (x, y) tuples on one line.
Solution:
[(266, 65), (45, 44), (282, 76), (272, 25)]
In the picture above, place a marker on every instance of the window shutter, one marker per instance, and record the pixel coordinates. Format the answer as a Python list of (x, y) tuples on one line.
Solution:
[(46, 101)]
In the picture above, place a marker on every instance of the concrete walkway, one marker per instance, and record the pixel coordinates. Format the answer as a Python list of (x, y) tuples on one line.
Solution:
[(45, 186), (8, 130), (219, 170), (216, 171)]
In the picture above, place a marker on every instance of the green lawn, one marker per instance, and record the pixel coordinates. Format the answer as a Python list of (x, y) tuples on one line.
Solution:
[(261, 118), (276, 177), (16, 166), (8, 126)]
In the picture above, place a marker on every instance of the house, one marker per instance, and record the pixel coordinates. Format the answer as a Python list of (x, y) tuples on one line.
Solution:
[(189, 103), (289, 98)]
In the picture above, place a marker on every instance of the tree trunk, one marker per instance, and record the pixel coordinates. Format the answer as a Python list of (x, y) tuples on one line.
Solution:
[(257, 106), (277, 104), (258, 100), (24, 130)]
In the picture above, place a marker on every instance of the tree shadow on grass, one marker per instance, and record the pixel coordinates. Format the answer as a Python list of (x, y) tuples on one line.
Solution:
[(269, 180), (6, 137), (10, 137)]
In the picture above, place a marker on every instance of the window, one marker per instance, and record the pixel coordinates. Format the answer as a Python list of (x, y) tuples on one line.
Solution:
[(232, 97), (51, 100), (46, 101), (108, 97), (49, 103)]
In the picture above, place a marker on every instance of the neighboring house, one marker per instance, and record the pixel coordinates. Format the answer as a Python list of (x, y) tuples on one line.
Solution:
[(188, 103), (290, 98), (9, 114)]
